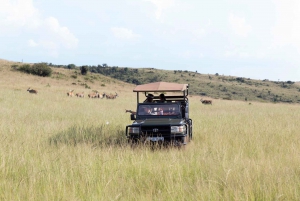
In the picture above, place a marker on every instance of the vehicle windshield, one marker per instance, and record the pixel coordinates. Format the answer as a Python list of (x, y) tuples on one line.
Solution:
[(159, 109)]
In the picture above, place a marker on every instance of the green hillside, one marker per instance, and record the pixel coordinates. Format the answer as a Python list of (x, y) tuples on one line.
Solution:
[(206, 85), (214, 86)]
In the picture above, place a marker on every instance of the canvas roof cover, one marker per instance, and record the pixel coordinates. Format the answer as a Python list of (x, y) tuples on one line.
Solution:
[(160, 86)]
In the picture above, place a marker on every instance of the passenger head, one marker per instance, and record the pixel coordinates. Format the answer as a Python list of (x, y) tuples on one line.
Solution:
[(162, 97), (150, 97)]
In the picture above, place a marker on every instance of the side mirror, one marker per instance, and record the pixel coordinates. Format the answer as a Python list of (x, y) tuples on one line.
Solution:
[(132, 117)]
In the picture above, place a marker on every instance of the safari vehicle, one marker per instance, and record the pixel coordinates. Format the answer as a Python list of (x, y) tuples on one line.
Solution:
[(167, 121)]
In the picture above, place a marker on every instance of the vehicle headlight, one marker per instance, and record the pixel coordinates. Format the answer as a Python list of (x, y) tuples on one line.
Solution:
[(178, 129), (134, 130)]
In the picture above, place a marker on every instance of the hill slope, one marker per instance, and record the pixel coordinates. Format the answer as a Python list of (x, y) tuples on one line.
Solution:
[(62, 80), (215, 86), (124, 78)]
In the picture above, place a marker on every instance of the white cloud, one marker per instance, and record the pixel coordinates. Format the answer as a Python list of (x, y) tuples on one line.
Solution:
[(62, 34), (18, 13), (22, 17), (239, 25), (123, 33)]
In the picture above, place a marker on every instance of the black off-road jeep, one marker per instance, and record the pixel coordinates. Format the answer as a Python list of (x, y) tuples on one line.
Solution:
[(167, 121)]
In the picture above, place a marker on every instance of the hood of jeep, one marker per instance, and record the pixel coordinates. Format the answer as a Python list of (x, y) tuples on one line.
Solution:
[(160, 121)]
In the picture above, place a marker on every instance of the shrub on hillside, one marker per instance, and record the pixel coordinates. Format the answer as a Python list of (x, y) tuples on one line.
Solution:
[(40, 69), (74, 76), (71, 66), (290, 82), (84, 70), (26, 68)]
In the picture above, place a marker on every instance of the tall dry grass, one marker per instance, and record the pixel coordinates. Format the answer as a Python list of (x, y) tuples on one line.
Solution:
[(53, 147)]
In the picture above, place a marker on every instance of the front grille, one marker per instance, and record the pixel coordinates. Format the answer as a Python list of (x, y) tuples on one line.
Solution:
[(156, 130)]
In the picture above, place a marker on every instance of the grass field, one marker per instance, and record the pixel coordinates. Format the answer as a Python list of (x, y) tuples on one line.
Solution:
[(53, 147)]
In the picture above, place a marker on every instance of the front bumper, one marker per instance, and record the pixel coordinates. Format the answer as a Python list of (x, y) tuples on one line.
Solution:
[(166, 132)]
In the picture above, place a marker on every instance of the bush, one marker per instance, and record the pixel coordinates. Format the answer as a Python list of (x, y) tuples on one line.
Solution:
[(290, 82), (40, 69), (71, 66), (84, 70), (26, 68)]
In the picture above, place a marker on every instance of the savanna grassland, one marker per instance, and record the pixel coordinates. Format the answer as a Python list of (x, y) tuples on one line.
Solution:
[(55, 147)]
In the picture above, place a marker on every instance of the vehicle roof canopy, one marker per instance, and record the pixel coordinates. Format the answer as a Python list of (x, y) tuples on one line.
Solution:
[(160, 86)]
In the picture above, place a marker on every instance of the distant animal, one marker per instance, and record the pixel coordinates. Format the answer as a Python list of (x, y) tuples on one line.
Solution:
[(80, 95), (70, 93), (94, 94), (101, 95), (207, 102), (111, 96), (32, 91)]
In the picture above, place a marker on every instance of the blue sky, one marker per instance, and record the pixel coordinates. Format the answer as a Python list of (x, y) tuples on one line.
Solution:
[(253, 39)]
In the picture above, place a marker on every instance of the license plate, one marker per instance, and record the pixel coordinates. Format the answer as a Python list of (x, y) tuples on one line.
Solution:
[(155, 139)]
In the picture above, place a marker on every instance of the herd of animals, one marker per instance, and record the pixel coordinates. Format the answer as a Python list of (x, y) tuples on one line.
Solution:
[(96, 94)]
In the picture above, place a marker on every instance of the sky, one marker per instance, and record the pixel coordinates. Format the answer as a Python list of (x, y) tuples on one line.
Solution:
[(253, 39)]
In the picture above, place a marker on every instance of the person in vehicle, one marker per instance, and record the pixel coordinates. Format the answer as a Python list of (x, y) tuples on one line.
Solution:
[(162, 98), (149, 98)]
